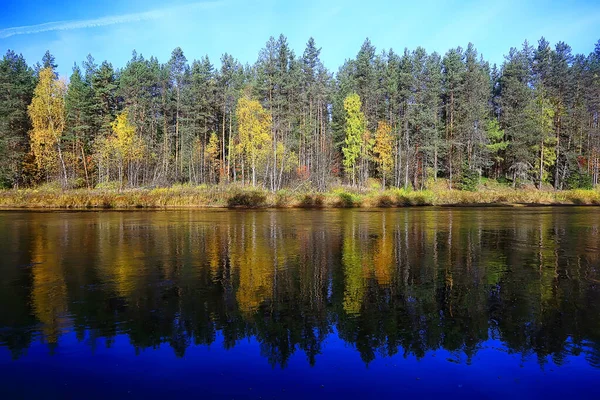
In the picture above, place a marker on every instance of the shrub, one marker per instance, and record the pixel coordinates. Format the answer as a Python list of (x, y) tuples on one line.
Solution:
[(402, 196), (469, 180), (422, 198), (50, 187), (385, 201), (346, 199), (254, 198), (5, 184), (578, 180), (408, 197), (283, 198), (312, 200), (112, 185), (580, 196), (76, 183)]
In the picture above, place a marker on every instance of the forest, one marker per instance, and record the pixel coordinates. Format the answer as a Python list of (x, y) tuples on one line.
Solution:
[(384, 119)]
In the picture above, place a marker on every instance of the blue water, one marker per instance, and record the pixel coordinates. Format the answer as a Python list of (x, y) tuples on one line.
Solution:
[(141, 312), (75, 370)]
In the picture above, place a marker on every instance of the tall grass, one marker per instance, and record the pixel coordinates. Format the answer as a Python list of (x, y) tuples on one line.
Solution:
[(187, 196)]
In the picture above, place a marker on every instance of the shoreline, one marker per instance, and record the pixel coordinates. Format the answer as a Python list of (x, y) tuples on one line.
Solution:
[(220, 197)]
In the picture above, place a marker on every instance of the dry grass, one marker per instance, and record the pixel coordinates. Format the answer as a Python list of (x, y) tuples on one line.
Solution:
[(508, 196), (185, 196)]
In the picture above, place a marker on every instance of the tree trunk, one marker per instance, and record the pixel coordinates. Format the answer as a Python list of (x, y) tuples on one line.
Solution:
[(62, 163), (253, 170), (177, 156), (541, 164), (223, 143), (556, 171), (407, 141), (87, 179)]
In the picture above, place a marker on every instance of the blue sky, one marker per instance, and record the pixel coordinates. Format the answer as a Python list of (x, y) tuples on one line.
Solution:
[(112, 29)]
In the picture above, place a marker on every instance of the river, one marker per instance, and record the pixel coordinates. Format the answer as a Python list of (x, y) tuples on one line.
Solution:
[(454, 302)]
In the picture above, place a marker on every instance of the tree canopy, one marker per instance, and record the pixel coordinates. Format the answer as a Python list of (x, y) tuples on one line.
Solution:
[(405, 119)]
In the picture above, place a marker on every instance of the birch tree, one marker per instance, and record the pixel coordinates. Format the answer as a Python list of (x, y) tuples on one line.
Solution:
[(47, 114)]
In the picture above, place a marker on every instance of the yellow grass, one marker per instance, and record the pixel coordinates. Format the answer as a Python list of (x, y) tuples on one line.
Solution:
[(185, 196)]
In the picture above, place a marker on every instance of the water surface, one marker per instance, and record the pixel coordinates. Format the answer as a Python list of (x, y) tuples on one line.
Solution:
[(470, 303)]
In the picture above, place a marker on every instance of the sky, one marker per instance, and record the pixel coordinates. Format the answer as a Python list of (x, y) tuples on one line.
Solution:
[(111, 30)]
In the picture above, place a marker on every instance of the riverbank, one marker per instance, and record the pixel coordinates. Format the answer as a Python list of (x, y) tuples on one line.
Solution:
[(244, 197)]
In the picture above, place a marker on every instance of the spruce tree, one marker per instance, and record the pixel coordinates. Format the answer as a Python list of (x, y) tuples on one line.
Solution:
[(17, 82)]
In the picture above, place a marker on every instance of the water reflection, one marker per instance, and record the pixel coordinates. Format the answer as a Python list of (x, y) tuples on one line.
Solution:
[(385, 282)]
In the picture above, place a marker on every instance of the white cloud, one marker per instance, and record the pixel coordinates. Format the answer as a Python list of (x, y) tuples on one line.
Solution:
[(104, 21)]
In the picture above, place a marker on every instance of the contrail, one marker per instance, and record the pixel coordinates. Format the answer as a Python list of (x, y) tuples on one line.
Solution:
[(104, 21)]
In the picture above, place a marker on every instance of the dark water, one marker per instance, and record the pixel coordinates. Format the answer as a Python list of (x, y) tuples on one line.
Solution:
[(301, 304)]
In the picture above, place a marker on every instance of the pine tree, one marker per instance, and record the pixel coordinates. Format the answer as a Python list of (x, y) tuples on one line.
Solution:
[(474, 111), (48, 61), (230, 79), (365, 78), (454, 69), (200, 104), (104, 85), (79, 125), (561, 92), (515, 99), (17, 82), (405, 100), (315, 145), (178, 74)]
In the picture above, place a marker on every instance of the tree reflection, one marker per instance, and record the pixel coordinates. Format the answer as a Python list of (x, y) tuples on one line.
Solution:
[(408, 281)]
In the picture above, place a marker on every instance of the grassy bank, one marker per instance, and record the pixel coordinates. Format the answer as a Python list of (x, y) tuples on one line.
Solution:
[(240, 197)]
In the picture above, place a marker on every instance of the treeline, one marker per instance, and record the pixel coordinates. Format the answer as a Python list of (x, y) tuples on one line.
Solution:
[(403, 119)]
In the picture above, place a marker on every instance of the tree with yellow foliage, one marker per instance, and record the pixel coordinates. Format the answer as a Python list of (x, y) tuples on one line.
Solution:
[(211, 153), (356, 125), (254, 129), (48, 286), (47, 114), (123, 148), (383, 149)]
